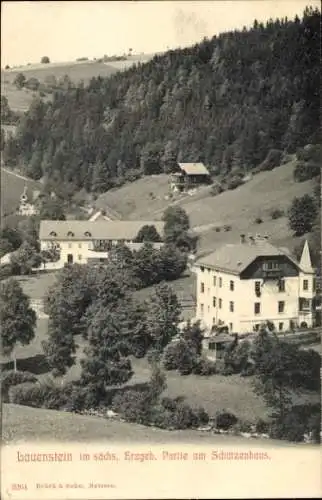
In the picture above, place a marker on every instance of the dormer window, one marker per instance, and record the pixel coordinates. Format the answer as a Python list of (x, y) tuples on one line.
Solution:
[(70, 233), (87, 233), (52, 233)]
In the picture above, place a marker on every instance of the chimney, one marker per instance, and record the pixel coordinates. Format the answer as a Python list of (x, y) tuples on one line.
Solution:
[(242, 238), (265, 236), (252, 240)]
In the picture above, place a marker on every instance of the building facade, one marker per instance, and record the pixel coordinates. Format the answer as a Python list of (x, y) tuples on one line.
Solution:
[(243, 285), (189, 175), (84, 242)]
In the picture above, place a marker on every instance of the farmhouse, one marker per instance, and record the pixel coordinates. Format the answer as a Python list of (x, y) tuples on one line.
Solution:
[(85, 242), (240, 286), (189, 176)]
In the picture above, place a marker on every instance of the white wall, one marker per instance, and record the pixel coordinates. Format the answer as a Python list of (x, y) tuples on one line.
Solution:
[(243, 317), (78, 249)]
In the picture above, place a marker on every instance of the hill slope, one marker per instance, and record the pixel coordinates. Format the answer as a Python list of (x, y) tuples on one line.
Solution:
[(227, 101), (21, 423), (237, 208), (20, 100), (12, 186)]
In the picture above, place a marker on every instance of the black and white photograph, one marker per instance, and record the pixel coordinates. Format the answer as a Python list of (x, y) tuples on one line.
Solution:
[(160, 248)]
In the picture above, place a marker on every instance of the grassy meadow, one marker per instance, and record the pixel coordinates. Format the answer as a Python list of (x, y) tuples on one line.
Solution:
[(147, 198), (12, 187)]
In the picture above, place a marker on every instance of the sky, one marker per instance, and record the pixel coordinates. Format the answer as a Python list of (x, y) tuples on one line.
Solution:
[(64, 30)]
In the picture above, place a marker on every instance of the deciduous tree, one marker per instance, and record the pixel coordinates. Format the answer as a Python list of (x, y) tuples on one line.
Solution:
[(17, 318)]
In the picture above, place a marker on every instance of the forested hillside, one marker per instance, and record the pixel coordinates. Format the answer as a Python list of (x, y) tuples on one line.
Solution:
[(227, 102)]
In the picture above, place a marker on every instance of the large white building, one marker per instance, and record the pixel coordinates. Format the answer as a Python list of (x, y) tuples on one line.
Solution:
[(82, 242), (243, 285)]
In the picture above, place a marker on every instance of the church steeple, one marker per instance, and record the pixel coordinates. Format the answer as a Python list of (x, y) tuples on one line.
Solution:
[(305, 262), (24, 196)]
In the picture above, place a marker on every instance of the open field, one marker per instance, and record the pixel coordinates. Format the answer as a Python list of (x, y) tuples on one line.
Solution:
[(19, 100), (238, 208), (23, 424), (76, 71), (36, 286), (12, 186)]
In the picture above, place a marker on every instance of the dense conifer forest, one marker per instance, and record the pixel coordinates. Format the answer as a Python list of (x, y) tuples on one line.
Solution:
[(228, 102)]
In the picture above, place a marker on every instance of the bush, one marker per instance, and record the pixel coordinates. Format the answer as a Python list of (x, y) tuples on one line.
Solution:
[(80, 398), (38, 395), (272, 160), (226, 420), (202, 416), (299, 420), (243, 426), (306, 171), (216, 189), (314, 426), (179, 356), (234, 182), (133, 405), (310, 153), (180, 416), (12, 378), (276, 213), (291, 428), (6, 271), (261, 426), (204, 366), (176, 414)]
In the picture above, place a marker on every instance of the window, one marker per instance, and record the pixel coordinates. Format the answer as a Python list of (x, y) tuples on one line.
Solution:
[(280, 326), (214, 301), (79, 245), (220, 303), (202, 269), (70, 233), (232, 286), (281, 286), (202, 287), (231, 327), (257, 307), (270, 265), (220, 282), (231, 306), (70, 245), (79, 257), (53, 233), (281, 306), (201, 309), (305, 284), (215, 281), (257, 288), (208, 309), (87, 233), (314, 284)]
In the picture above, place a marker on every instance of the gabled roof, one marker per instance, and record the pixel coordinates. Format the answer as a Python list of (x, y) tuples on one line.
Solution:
[(194, 168), (88, 230), (235, 258)]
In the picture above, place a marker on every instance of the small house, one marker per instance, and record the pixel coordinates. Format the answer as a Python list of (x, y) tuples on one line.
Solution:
[(189, 176)]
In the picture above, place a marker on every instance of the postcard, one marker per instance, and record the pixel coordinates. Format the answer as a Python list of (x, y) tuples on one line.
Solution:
[(160, 246)]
